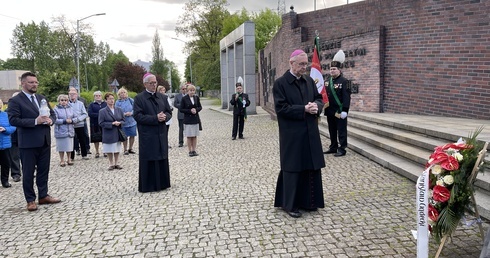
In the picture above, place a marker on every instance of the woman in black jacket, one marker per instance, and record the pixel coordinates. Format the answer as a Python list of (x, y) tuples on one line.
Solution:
[(191, 106)]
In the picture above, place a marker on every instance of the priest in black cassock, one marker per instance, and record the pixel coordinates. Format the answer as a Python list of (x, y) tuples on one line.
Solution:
[(298, 105), (151, 110)]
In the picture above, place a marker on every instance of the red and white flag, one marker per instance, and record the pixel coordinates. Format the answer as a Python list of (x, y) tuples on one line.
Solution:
[(316, 73)]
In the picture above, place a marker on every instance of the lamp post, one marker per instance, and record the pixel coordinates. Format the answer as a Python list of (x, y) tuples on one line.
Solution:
[(190, 58), (78, 48)]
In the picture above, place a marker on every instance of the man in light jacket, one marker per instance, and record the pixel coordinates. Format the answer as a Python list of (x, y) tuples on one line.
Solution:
[(79, 116), (180, 115)]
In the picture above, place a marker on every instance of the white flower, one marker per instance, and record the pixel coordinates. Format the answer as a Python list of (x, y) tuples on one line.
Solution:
[(448, 180), (437, 169), (440, 182), (458, 156)]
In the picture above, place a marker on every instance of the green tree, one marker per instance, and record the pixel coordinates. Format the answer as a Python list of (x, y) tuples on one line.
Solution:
[(92, 73), (203, 21), (207, 22), (16, 64), (35, 44), (234, 21), (267, 23), (108, 67), (158, 60), (175, 77)]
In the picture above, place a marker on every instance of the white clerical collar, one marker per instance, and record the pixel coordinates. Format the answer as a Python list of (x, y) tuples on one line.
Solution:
[(297, 78)]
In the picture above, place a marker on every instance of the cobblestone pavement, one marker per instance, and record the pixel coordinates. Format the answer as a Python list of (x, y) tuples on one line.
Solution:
[(220, 205)]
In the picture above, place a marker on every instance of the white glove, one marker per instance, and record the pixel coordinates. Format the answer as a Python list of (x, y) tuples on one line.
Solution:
[(343, 115)]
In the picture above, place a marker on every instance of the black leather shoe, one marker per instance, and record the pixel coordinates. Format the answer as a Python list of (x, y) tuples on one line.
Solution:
[(294, 214), (240, 137), (181, 145), (7, 185), (340, 153), (233, 138), (330, 151), (16, 178)]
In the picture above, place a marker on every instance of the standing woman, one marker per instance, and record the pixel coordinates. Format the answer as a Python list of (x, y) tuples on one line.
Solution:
[(64, 130), (5, 143), (93, 113), (191, 106), (163, 90), (111, 118), (126, 104)]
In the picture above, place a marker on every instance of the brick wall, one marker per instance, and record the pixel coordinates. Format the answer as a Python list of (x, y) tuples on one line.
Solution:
[(424, 57)]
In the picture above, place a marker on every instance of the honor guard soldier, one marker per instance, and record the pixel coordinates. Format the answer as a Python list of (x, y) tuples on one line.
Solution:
[(338, 90)]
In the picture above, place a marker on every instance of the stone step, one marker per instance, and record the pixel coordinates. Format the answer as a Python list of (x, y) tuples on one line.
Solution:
[(385, 158), (404, 136), (405, 152)]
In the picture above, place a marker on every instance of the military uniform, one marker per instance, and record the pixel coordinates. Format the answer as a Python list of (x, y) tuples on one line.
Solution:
[(337, 126)]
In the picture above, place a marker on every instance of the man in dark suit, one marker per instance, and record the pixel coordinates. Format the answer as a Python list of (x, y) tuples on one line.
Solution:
[(34, 139), (240, 102), (180, 115)]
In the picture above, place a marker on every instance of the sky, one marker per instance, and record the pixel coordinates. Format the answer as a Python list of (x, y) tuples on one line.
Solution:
[(130, 25)]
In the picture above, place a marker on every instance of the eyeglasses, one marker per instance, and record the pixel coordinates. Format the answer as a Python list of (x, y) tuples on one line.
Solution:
[(63, 100), (303, 64), (152, 83)]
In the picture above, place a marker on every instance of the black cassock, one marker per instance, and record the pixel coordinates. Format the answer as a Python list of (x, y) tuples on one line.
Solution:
[(299, 184), (153, 141)]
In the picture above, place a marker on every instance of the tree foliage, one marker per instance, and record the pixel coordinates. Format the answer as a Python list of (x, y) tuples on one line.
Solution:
[(129, 75), (49, 51), (267, 23), (207, 22), (203, 21)]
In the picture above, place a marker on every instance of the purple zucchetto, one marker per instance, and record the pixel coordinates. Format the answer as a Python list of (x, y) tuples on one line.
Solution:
[(296, 53), (146, 75)]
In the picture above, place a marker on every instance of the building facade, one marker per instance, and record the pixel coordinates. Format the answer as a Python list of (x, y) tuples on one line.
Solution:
[(402, 56)]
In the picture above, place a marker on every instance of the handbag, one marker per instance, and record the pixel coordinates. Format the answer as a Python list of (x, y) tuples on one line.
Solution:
[(121, 135), (200, 124), (96, 137)]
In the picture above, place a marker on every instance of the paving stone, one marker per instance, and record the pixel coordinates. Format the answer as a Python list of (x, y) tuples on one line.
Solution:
[(220, 205)]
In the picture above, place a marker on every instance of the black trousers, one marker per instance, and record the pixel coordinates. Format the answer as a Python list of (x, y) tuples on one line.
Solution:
[(14, 160), (76, 142), (35, 159), (181, 131), (337, 128), (238, 123), (5, 165), (80, 134)]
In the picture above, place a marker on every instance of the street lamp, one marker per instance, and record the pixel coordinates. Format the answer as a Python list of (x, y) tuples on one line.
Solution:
[(78, 47), (190, 58)]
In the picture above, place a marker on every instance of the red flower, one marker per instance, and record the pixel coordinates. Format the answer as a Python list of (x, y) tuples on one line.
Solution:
[(433, 213), (451, 163), (440, 194), (456, 146), (446, 161)]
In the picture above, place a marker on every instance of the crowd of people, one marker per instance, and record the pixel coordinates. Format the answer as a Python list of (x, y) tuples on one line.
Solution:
[(25, 132)]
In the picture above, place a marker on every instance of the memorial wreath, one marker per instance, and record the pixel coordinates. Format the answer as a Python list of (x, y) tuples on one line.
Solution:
[(451, 184)]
